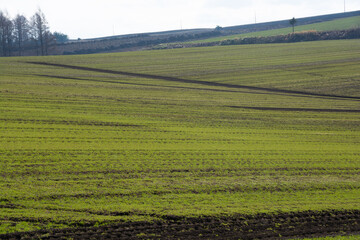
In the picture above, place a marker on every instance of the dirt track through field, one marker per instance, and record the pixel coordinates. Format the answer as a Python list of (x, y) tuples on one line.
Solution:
[(175, 79), (260, 226)]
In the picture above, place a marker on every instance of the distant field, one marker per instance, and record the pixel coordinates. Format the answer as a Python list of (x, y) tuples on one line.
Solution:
[(251, 141), (339, 24)]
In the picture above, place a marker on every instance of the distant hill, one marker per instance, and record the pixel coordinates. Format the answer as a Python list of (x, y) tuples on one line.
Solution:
[(332, 25), (241, 28), (285, 23), (133, 42)]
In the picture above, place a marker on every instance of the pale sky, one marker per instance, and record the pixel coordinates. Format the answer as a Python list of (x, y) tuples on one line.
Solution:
[(99, 18)]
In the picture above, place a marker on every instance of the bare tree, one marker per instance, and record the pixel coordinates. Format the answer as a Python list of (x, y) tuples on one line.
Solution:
[(40, 28), (2, 36), (292, 23), (6, 34), (50, 42), (21, 36), (9, 35), (21, 27)]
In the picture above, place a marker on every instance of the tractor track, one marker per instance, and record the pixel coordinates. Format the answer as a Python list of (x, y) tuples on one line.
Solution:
[(207, 83)]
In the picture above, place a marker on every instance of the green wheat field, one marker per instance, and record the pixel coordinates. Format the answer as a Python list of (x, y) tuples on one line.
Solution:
[(99, 139)]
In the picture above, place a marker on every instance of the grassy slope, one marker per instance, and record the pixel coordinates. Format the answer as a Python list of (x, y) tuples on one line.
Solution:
[(76, 148), (339, 24)]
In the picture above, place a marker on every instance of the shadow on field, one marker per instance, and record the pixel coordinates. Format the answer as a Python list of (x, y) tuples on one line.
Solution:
[(260, 226), (207, 83)]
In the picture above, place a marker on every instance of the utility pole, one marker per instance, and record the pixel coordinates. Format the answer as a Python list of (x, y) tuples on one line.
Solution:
[(344, 5), (255, 17)]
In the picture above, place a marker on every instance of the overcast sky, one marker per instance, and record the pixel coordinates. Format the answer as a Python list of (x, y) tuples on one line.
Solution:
[(98, 18)]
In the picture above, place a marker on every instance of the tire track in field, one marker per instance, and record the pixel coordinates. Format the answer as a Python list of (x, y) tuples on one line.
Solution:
[(70, 122), (299, 109), (146, 85), (207, 83), (177, 87)]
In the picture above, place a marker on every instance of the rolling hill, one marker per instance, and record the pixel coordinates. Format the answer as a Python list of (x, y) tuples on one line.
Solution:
[(143, 41), (332, 25)]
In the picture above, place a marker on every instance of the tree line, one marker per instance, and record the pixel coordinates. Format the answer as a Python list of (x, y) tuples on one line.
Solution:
[(20, 34)]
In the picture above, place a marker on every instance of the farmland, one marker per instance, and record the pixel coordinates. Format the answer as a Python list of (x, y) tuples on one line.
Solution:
[(338, 24), (237, 141)]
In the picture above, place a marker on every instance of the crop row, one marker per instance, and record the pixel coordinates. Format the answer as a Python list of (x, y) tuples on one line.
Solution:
[(90, 145)]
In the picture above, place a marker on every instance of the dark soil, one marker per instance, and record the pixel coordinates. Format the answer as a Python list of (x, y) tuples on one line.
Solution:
[(260, 226)]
